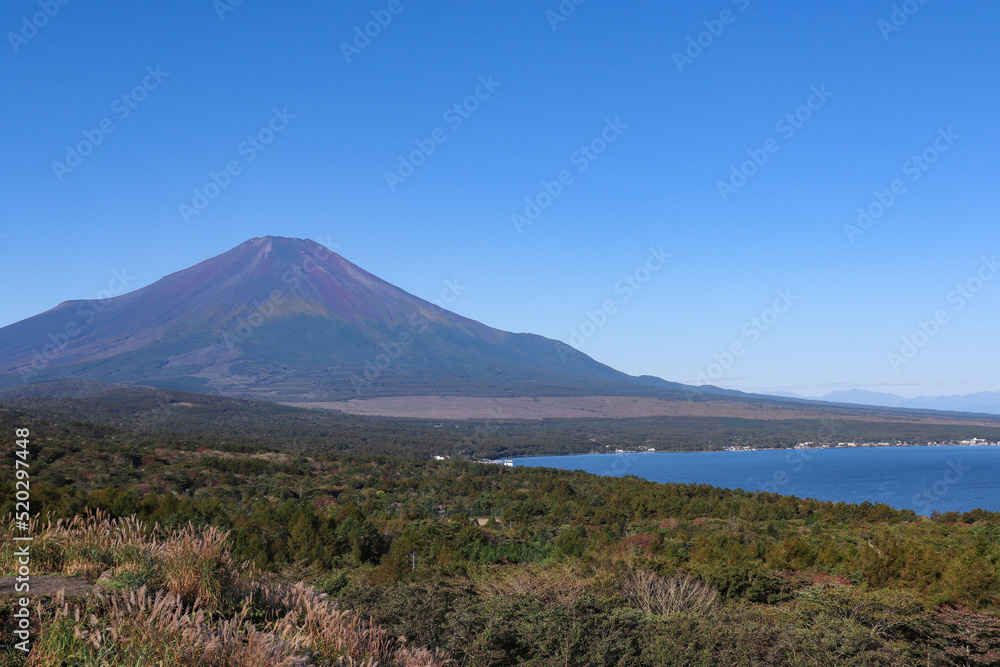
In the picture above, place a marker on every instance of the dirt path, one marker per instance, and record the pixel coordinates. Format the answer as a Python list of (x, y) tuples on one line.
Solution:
[(46, 585)]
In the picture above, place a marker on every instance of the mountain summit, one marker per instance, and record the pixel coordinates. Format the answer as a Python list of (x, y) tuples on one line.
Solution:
[(289, 319)]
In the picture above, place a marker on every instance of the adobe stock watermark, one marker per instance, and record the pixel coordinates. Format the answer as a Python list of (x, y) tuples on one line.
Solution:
[(255, 316), (449, 293), (121, 107), (30, 26), (391, 351), (786, 126), (479, 437), (935, 493), (249, 149), (957, 297), (363, 35), (260, 311), (86, 312), (915, 167), (899, 17), (629, 284), (714, 28), (161, 412), (21, 522), (797, 458), (620, 465), (223, 7), (751, 331), (562, 12), (581, 159), (453, 116)]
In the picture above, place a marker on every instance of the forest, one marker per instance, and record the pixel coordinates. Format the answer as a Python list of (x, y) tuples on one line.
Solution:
[(169, 416), (486, 565)]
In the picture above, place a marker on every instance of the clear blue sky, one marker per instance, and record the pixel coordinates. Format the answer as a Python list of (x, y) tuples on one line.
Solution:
[(673, 128)]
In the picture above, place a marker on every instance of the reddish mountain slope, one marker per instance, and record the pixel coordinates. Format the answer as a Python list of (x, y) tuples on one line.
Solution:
[(290, 319)]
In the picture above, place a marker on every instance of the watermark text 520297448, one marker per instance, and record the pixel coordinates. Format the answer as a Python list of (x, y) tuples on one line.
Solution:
[(22, 540)]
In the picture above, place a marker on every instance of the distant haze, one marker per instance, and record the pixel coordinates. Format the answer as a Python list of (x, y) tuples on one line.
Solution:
[(983, 402)]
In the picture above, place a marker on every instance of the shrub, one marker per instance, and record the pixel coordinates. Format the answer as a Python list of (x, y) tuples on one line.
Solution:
[(654, 594), (194, 605)]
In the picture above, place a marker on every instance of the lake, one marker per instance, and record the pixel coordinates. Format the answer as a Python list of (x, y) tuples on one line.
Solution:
[(925, 479)]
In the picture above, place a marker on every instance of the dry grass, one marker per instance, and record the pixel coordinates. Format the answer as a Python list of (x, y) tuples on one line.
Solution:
[(83, 546), (196, 606), (552, 585), (654, 594), (197, 566), (135, 627), (316, 622)]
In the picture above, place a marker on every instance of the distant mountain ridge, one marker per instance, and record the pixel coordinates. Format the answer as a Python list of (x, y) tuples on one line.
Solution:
[(984, 402), (289, 319)]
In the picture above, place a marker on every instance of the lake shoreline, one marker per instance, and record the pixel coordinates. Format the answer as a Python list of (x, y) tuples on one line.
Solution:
[(922, 478)]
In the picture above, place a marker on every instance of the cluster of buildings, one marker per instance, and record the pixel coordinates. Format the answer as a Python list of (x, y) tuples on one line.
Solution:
[(500, 462), (884, 443)]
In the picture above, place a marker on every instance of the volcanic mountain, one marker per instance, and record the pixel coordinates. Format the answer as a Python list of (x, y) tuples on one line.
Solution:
[(289, 319)]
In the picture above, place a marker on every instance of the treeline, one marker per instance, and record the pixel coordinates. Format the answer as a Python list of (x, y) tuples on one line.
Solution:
[(186, 420)]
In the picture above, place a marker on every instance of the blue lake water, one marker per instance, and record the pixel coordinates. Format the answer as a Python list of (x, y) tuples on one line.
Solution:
[(924, 479)]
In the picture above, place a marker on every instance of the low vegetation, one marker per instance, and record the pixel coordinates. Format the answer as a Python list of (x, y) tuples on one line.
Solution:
[(252, 553), (179, 598)]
